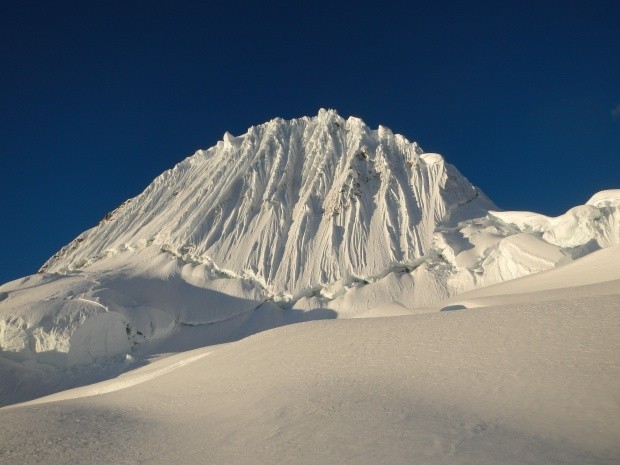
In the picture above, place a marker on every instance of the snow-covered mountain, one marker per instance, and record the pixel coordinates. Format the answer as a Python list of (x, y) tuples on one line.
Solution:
[(294, 205), (310, 218)]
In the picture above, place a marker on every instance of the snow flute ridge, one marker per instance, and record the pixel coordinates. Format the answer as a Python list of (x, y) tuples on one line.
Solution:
[(294, 204)]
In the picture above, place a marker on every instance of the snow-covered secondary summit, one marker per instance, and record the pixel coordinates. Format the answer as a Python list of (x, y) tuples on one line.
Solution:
[(295, 205)]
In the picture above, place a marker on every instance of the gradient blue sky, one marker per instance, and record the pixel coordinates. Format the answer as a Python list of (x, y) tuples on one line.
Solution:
[(99, 97)]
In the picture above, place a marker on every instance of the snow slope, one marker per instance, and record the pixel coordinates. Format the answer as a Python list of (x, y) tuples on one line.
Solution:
[(532, 382), (58, 331)]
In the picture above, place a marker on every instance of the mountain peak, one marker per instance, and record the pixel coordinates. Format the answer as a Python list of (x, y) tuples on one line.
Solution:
[(327, 113), (291, 203)]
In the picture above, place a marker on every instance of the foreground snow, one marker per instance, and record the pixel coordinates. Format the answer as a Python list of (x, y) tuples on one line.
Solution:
[(521, 384), (531, 382)]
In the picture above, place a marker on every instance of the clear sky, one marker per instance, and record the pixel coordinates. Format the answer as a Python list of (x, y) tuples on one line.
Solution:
[(99, 97)]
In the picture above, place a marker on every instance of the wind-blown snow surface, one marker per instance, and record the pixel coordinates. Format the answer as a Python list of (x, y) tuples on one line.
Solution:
[(533, 382)]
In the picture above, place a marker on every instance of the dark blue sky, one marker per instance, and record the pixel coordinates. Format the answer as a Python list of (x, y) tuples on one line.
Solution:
[(98, 98)]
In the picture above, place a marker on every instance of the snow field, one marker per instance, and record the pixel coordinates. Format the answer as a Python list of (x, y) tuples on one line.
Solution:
[(525, 383)]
